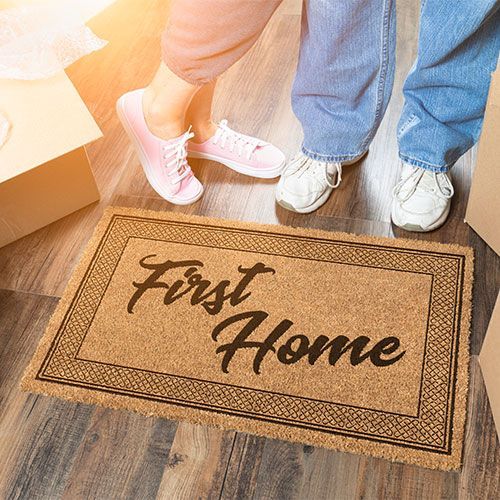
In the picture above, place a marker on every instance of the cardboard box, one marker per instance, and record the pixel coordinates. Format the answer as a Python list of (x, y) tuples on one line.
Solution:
[(490, 366), (44, 170), (483, 209)]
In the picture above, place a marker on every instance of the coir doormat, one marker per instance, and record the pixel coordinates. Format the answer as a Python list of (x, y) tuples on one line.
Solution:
[(348, 342)]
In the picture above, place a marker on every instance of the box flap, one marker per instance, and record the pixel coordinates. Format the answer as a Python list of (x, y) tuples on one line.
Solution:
[(490, 365), (48, 119), (483, 208)]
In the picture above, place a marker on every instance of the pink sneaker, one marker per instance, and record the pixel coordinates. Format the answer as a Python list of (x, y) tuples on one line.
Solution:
[(164, 162), (247, 155)]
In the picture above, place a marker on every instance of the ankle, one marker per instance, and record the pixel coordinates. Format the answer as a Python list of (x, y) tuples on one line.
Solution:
[(203, 130), (166, 131), (161, 123)]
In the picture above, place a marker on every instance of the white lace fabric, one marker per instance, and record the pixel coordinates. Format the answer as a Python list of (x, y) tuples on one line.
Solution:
[(436, 183), (175, 156), (329, 173), (243, 144), (37, 41)]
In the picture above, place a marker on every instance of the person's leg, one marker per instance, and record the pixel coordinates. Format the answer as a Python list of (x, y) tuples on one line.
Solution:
[(166, 101), (199, 113), (340, 93), (446, 90), (202, 40), (445, 97), (344, 76)]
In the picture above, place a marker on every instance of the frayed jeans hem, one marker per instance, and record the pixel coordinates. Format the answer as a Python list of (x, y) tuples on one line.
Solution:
[(423, 164), (331, 158)]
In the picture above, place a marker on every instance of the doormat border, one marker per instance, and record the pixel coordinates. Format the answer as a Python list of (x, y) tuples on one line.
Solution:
[(147, 404)]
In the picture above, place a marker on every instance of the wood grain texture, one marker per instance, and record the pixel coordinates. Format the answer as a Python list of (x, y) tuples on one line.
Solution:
[(243, 467), (52, 449), (480, 477), (103, 467), (197, 463), (38, 435)]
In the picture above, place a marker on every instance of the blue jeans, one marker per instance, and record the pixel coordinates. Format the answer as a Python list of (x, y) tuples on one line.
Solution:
[(346, 72)]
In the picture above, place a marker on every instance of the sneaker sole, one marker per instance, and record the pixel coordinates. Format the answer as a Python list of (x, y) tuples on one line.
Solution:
[(306, 210), (146, 166), (415, 228), (240, 168)]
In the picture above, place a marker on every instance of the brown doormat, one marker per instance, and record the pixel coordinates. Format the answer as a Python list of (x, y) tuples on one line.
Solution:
[(349, 342)]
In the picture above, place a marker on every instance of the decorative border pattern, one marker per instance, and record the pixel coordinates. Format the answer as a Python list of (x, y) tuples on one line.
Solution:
[(430, 430)]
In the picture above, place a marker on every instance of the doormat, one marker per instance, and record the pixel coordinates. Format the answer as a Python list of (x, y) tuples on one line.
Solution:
[(347, 342)]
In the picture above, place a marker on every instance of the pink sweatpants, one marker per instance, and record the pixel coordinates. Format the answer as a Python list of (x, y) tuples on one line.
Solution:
[(205, 37)]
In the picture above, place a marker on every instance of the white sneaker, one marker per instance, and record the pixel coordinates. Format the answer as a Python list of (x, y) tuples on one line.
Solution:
[(306, 184), (421, 199)]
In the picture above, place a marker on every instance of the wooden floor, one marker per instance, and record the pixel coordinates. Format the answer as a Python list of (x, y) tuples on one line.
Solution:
[(55, 449)]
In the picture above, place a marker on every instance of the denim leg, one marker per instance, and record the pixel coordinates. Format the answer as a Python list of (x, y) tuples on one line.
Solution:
[(344, 76), (446, 90)]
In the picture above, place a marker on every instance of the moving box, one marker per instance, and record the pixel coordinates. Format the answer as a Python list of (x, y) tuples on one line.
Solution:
[(44, 170), (483, 209), (483, 215), (490, 365)]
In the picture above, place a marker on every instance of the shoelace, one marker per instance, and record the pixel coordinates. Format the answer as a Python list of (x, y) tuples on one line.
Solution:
[(302, 165), (433, 182), (178, 165), (241, 142)]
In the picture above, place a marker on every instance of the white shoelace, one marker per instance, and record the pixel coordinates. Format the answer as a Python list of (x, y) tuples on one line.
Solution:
[(304, 166), (436, 183), (177, 152), (242, 143)]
